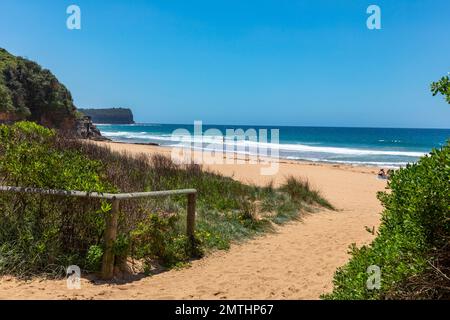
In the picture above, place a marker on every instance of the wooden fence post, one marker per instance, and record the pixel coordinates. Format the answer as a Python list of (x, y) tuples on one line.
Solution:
[(190, 226), (110, 238)]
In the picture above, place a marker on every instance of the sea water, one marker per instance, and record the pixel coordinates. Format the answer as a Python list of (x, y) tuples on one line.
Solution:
[(384, 147)]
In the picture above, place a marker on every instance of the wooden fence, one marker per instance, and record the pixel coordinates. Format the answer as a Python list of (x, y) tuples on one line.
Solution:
[(107, 271)]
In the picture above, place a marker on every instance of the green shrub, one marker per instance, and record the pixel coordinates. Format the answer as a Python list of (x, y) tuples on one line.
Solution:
[(159, 238), (94, 258), (27, 158), (415, 224), (45, 232)]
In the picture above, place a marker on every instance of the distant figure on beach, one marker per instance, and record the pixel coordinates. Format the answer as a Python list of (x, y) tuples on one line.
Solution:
[(382, 174)]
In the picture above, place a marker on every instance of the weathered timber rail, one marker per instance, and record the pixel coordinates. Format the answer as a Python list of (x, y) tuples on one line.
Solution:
[(107, 271)]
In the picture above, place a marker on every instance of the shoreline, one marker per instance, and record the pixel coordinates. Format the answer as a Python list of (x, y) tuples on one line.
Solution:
[(246, 157)]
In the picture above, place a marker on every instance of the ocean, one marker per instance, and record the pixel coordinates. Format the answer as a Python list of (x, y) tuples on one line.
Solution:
[(383, 147)]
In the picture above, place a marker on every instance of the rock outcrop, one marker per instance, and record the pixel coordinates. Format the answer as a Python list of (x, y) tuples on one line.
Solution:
[(87, 130)]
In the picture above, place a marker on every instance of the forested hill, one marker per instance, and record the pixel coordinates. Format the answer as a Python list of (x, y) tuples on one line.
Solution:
[(110, 116), (29, 92)]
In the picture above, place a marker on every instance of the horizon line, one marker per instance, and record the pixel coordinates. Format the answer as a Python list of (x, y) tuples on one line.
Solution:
[(273, 126)]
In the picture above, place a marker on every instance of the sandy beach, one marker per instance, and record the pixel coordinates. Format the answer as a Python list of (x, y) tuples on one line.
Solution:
[(297, 261)]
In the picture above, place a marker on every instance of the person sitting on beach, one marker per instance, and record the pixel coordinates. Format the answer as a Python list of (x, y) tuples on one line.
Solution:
[(389, 173), (382, 174)]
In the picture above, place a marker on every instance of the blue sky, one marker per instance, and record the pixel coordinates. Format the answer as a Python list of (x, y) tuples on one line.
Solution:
[(276, 62)]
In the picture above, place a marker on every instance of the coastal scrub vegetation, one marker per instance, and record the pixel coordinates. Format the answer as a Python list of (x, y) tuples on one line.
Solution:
[(45, 234), (411, 247)]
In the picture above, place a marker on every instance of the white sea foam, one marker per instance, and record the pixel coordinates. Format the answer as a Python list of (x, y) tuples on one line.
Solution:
[(268, 145), (355, 156)]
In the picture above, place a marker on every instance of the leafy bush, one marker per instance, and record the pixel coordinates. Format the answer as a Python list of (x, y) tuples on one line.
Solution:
[(44, 233), (94, 257), (160, 238), (415, 226), (442, 87), (27, 158)]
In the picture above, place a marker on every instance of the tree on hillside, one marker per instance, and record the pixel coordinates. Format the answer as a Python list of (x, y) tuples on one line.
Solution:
[(5, 100), (443, 87)]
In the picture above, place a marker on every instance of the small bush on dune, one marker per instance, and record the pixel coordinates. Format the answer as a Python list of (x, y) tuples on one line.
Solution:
[(44, 234), (160, 238), (412, 240), (28, 159)]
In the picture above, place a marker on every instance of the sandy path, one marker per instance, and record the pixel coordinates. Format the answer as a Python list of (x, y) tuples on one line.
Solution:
[(296, 262)]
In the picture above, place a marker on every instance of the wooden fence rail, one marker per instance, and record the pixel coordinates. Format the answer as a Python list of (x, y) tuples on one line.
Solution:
[(107, 271)]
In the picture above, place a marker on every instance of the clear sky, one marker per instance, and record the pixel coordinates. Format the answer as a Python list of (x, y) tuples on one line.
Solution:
[(273, 62)]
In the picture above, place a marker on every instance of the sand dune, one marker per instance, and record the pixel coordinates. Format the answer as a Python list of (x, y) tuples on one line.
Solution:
[(295, 262)]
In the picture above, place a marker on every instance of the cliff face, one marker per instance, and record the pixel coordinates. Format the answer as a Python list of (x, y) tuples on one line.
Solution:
[(110, 116), (29, 92)]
